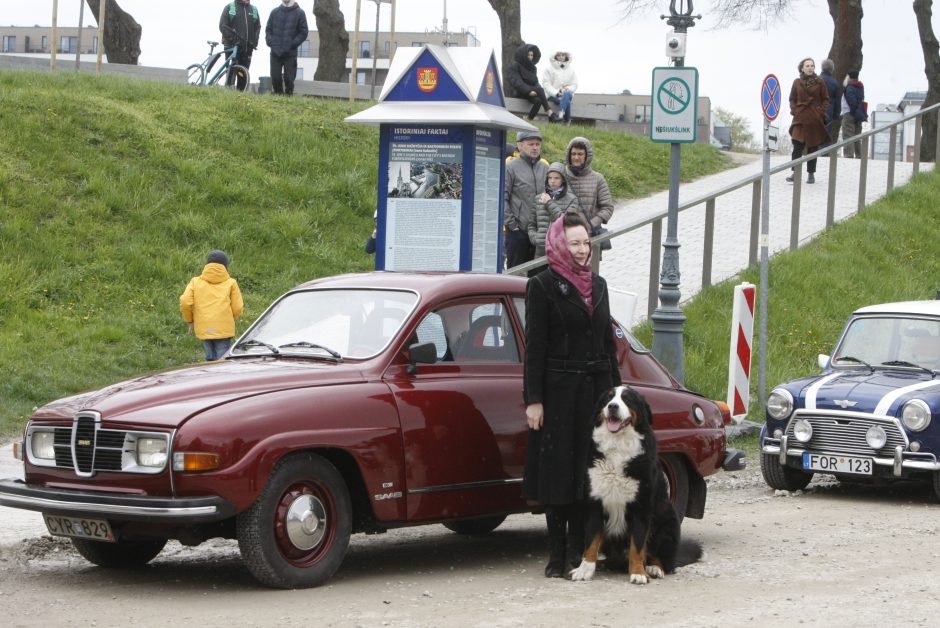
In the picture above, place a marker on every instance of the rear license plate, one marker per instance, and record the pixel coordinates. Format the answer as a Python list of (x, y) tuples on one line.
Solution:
[(95, 529), (827, 463)]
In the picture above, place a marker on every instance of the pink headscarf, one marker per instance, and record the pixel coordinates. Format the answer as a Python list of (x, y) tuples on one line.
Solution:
[(561, 261)]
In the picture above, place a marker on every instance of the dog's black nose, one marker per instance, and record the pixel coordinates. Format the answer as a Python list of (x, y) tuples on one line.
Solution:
[(613, 408)]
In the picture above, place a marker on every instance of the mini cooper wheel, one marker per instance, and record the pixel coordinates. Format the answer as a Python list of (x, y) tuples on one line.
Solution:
[(677, 479), (124, 553), (296, 532), (780, 477), (483, 525)]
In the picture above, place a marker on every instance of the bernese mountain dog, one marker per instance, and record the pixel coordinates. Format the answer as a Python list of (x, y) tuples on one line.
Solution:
[(630, 518)]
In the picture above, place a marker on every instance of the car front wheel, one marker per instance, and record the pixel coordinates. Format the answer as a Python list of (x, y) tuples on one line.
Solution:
[(296, 532), (118, 555), (780, 477)]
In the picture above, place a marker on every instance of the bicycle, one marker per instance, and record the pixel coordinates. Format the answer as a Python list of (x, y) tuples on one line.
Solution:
[(201, 73)]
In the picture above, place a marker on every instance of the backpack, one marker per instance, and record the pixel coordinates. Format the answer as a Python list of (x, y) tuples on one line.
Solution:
[(233, 11)]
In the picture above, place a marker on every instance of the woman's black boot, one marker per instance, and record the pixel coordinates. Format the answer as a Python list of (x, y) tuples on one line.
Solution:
[(574, 543), (555, 519)]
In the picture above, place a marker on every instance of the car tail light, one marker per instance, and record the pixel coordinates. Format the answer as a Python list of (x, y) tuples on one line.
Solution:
[(725, 412)]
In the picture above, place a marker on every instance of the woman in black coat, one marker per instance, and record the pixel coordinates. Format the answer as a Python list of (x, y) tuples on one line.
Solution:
[(524, 80), (571, 358)]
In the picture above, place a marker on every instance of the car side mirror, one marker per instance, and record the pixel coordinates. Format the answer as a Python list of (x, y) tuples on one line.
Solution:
[(823, 360), (421, 353)]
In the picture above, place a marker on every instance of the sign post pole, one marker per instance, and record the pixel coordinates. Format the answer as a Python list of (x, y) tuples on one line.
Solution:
[(770, 103)]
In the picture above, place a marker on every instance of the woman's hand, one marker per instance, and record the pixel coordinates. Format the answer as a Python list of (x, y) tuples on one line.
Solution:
[(534, 416), (543, 197)]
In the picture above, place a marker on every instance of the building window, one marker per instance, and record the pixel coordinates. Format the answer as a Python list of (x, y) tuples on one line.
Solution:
[(417, 44), (304, 50), (388, 48), (365, 49), (45, 43), (643, 113), (300, 74), (9, 43), (68, 44), (360, 78), (94, 45)]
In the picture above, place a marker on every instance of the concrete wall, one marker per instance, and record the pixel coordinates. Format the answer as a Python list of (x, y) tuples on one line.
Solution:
[(39, 63)]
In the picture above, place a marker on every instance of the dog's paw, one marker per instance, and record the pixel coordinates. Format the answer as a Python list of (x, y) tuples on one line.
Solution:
[(655, 571), (639, 578), (584, 572)]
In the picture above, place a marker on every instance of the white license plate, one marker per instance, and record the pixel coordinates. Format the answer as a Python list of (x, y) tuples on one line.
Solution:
[(95, 529), (828, 463)]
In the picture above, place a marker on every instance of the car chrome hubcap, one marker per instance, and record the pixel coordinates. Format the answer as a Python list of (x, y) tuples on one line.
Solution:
[(306, 522)]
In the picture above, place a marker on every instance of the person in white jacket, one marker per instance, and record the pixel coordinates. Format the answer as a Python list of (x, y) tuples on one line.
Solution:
[(560, 82)]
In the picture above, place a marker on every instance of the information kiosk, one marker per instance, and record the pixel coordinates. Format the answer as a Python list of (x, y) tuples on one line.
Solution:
[(442, 132)]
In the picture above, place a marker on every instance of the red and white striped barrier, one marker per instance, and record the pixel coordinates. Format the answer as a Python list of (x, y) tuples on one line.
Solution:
[(739, 362)]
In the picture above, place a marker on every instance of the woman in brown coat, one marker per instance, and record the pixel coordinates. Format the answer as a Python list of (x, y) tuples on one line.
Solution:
[(809, 102)]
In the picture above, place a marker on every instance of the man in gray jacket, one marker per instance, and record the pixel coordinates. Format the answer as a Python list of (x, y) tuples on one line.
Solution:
[(525, 179)]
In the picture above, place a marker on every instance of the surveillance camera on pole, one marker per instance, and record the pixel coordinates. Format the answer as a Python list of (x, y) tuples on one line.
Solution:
[(675, 45)]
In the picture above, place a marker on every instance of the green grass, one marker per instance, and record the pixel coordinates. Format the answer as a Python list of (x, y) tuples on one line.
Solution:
[(112, 191), (886, 253)]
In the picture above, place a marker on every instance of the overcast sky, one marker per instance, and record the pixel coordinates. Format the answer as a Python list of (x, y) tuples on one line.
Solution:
[(609, 55)]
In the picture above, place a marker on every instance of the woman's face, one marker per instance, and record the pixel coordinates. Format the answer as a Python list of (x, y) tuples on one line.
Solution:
[(530, 55), (809, 67), (555, 180), (579, 243)]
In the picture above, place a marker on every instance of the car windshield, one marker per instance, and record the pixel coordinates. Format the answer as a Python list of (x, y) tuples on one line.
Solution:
[(329, 324), (890, 342)]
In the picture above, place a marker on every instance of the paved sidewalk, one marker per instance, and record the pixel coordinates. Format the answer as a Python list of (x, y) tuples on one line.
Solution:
[(626, 266)]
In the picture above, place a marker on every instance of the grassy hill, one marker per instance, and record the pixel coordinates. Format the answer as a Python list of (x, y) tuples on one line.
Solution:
[(112, 191)]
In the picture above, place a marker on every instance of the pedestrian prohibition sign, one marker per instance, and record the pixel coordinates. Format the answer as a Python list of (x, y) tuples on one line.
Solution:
[(770, 97)]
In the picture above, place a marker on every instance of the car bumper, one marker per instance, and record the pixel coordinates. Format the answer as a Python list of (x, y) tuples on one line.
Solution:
[(171, 510), (898, 464)]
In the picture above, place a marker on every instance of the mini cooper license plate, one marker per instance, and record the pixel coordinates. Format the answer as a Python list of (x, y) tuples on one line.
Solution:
[(95, 529), (828, 463)]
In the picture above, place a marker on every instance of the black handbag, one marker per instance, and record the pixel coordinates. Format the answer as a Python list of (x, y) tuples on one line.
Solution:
[(605, 245)]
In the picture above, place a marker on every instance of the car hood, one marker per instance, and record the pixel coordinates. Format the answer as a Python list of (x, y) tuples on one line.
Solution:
[(880, 392), (168, 398)]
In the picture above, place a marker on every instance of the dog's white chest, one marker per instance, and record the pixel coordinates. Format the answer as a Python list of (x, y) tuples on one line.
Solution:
[(609, 484)]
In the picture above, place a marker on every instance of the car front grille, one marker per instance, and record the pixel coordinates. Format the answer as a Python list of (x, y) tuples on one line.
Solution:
[(845, 434), (87, 448)]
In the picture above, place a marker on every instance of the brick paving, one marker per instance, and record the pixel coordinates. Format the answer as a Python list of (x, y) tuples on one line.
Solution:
[(626, 266)]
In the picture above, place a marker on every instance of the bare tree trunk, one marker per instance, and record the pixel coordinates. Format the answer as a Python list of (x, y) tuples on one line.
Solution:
[(846, 50), (121, 33), (334, 40), (928, 42), (510, 27)]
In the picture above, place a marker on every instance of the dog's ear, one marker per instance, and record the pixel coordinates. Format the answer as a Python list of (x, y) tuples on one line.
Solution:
[(603, 400), (638, 402)]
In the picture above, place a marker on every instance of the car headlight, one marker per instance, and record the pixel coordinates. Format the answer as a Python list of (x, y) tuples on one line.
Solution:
[(915, 415), (779, 404), (41, 445), (151, 452)]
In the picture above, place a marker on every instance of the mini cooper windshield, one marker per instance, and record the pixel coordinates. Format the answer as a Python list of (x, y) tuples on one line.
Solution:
[(328, 324), (890, 342)]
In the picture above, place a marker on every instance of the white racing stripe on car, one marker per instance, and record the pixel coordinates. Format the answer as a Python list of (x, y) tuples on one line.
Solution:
[(891, 397), (810, 403)]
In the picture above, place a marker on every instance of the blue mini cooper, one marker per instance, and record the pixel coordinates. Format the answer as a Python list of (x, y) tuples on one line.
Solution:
[(874, 411)]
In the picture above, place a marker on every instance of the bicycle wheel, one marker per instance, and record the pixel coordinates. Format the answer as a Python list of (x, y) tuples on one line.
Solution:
[(240, 78), (195, 75)]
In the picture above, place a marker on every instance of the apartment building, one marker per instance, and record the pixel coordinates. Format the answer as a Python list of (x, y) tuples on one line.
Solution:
[(38, 40)]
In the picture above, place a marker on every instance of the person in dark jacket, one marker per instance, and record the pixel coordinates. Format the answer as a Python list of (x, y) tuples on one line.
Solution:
[(853, 113), (835, 93), (524, 80), (809, 102), (571, 358), (240, 24), (525, 178), (285, 31)]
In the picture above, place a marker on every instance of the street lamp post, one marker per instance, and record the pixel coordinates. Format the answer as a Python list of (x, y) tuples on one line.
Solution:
[(668, 319)]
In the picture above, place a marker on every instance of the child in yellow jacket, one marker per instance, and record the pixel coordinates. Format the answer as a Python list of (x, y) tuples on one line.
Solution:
[(210, 304)]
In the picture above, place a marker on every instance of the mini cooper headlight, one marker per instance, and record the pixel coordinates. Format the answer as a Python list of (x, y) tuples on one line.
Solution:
[(802, 430), (151, 452), (779, 404), (915, 415), (876, 437), (41, 445)]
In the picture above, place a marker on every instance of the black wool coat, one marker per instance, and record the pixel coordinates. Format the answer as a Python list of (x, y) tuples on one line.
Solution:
[(523, 75), (571, 358)]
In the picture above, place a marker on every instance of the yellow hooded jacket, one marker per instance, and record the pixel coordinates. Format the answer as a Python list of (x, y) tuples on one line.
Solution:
[(212, 301)]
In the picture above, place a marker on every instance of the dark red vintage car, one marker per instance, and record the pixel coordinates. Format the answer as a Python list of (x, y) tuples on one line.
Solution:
[(356, 403)]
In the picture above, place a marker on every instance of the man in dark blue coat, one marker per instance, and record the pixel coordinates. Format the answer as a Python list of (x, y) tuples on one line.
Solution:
[(286, 30), (853, 113), (832, 86)]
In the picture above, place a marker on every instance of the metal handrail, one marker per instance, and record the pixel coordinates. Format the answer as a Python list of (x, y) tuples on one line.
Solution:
[(755, 180)]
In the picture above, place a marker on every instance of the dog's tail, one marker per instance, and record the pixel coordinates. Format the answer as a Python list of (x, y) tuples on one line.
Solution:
[(688, 552)]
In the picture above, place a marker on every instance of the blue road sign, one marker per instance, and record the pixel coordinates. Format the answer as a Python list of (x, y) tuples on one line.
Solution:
[(770, 97)]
